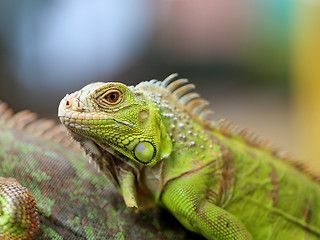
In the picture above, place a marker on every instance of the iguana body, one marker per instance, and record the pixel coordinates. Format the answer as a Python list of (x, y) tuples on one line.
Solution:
[(74, 201), (154, 141)]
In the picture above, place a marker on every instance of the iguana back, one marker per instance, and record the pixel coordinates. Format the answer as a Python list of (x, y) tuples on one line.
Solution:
[(270, 196)]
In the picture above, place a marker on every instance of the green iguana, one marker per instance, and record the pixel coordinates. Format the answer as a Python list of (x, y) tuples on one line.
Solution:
[(156, 144), (73, 200)]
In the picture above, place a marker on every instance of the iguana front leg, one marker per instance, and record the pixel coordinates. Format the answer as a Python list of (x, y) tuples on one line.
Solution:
[(186, 199)]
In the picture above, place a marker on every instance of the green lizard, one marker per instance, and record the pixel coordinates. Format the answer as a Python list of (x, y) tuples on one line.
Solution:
[(73, 200), (156, 144)]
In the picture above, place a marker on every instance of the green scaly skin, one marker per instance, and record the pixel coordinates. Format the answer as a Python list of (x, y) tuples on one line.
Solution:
[(74, 200), (19, 217), (156, 145)]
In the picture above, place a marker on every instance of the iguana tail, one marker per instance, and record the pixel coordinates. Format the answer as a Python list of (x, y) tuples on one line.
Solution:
[(19, 217)]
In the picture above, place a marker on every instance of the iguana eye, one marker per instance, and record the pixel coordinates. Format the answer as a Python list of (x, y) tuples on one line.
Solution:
[(112, 97)]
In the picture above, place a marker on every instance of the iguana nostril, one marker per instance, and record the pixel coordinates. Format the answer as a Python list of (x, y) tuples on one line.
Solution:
[(68, 103)]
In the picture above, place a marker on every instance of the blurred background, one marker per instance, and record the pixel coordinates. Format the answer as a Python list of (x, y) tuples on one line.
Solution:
[(256, 61)]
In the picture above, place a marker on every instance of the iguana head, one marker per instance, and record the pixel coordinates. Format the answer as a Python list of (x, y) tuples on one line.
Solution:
[(130, 132), (117, 117)]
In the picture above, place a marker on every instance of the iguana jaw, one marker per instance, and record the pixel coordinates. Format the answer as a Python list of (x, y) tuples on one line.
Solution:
[(117, 167)]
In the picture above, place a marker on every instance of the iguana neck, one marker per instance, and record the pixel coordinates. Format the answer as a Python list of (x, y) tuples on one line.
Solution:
[(194, 147), (184, 131)]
